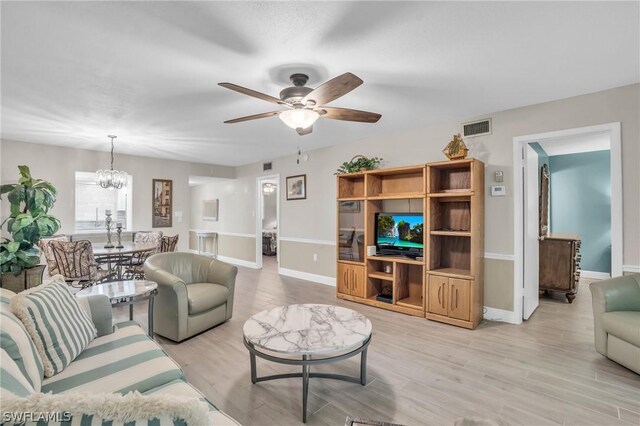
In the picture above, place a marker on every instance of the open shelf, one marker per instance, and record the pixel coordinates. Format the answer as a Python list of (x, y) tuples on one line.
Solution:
[(400, 195), (449, 252), (450, 177), (351, 186), (397, 259), (411, 302), (452, 272), (381, 276), (396, 183), (452, 233)]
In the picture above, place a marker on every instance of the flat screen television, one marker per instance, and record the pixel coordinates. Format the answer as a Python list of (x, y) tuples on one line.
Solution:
[(399, 234)]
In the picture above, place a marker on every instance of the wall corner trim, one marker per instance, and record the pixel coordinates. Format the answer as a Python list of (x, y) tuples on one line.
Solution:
[(595, 275), (499, 256), (321, 279), (631, 268), (308, 241), (493, 314), (232, 260)]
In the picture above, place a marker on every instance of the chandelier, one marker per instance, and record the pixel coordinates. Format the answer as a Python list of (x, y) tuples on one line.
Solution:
[(111, 178), (268, 188)]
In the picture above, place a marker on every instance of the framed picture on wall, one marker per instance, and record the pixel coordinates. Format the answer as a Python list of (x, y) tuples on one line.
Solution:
[(297, 187), (210, 210), (162, 208)]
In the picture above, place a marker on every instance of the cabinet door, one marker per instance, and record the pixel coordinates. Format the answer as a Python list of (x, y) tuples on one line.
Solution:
[(438, 294), (344, 278), (459, 299), (357, 281)]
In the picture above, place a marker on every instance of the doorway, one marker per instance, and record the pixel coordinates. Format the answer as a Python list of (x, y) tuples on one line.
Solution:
[(267, 220), (529, 153)]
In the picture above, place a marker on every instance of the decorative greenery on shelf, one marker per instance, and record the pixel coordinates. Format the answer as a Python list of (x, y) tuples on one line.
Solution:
[(29, 220), (359, 163)]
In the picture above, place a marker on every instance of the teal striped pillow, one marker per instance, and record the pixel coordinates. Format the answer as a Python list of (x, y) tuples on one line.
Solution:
[(12, 382), (57, 324)]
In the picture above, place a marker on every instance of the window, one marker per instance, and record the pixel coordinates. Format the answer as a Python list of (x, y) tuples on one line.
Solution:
[(92, 201)]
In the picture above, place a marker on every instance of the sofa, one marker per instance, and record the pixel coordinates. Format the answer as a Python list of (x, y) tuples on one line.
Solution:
[(616, 315), (195, 293), (122, 372)]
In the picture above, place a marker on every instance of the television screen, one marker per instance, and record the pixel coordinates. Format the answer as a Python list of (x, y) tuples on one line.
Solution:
[(399, 231)]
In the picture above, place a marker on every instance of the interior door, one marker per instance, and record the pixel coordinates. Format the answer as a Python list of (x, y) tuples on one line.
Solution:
[(531, 231)]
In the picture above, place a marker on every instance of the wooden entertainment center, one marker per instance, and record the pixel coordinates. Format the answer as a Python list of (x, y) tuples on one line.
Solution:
[(447, 284)]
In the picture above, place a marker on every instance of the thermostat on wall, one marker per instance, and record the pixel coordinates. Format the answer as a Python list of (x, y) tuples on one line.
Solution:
[(498, 191)]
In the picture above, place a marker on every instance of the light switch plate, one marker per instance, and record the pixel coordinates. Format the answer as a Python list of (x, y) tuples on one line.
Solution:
[(498, 191)]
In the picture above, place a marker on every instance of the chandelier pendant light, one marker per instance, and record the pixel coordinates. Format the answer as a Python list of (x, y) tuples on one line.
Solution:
[(111, 178)]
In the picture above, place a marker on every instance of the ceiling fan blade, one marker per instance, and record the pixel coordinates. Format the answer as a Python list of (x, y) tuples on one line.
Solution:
[(333, 89), (349, 114), (253, 93), (252, 117), (306, 131)]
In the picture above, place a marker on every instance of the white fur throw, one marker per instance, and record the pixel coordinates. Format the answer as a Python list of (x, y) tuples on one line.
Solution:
[(113, 407)]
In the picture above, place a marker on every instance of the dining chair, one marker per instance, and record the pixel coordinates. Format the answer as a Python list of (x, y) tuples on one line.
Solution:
[(168, 244), (133, 265), (347, 244), (76, 262), (43, 244)]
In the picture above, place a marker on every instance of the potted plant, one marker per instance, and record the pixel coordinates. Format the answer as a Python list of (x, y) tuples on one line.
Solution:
[(28, 221), (359, 163)]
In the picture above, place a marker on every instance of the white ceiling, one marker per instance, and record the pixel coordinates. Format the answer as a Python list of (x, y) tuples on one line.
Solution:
[(577, 144), (73, 72)]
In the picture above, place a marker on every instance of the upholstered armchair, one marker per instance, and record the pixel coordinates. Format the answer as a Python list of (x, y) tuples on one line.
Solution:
[(195, 293), (616, 315)]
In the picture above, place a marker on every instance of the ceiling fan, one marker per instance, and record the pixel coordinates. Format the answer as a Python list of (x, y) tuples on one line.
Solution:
[(305, 104)]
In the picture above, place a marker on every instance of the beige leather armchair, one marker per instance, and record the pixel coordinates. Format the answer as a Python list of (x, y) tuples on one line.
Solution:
[(195, 293), (616, 315)]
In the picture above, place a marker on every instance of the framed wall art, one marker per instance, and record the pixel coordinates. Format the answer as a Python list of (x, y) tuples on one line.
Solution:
[(297, 187), (162, 208)]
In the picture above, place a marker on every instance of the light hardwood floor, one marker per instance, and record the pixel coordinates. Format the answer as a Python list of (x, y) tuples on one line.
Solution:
[(545, 371)]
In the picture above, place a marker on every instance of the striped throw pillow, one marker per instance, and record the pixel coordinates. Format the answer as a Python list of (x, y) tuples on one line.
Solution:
[(12, 382), (15, 340), (57, 324)]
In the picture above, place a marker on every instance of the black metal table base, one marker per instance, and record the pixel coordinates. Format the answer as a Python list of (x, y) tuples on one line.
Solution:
[(306, 362)]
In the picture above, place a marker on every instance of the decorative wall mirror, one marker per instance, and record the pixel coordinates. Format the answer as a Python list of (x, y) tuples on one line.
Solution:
[(543, 213), (210, 210)]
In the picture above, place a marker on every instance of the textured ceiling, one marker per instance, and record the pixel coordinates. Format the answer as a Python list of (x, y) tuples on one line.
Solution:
[(73, 72)]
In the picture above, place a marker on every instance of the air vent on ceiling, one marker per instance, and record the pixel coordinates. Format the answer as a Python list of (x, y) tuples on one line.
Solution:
[(477, 128), (267, 166)]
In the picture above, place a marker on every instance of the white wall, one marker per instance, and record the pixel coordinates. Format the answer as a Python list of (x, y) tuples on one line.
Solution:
[(314, 219)]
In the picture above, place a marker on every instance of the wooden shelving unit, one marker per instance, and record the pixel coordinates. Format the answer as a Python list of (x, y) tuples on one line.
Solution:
[(451, 196), (455, 242)]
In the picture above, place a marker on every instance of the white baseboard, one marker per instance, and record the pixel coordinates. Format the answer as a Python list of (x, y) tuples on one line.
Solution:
[(595, 275), (322, 279), (501, 315), (631, 268), (232, 260)]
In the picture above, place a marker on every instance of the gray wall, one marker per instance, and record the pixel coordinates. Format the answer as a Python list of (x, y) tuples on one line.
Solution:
[(58, 165)]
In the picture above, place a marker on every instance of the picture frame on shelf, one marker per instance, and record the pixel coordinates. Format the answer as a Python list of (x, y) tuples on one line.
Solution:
[(162, 203), (350, 206), (297, 187)]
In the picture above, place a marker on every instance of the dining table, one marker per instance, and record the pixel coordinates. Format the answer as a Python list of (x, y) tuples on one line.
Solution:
[(115, 257)]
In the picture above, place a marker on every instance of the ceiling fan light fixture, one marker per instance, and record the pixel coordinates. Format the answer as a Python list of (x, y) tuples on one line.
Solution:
[(299, 118)]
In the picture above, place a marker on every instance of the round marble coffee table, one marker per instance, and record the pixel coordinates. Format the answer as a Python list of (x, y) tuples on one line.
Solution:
[(126, 293), (299, 334)]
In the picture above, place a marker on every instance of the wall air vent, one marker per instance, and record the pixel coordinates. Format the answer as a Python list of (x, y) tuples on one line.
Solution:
[(267, 166), (477, 128)]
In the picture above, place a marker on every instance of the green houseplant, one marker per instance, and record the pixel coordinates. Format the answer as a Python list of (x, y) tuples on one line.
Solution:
[(359, 163), (29, 220)]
